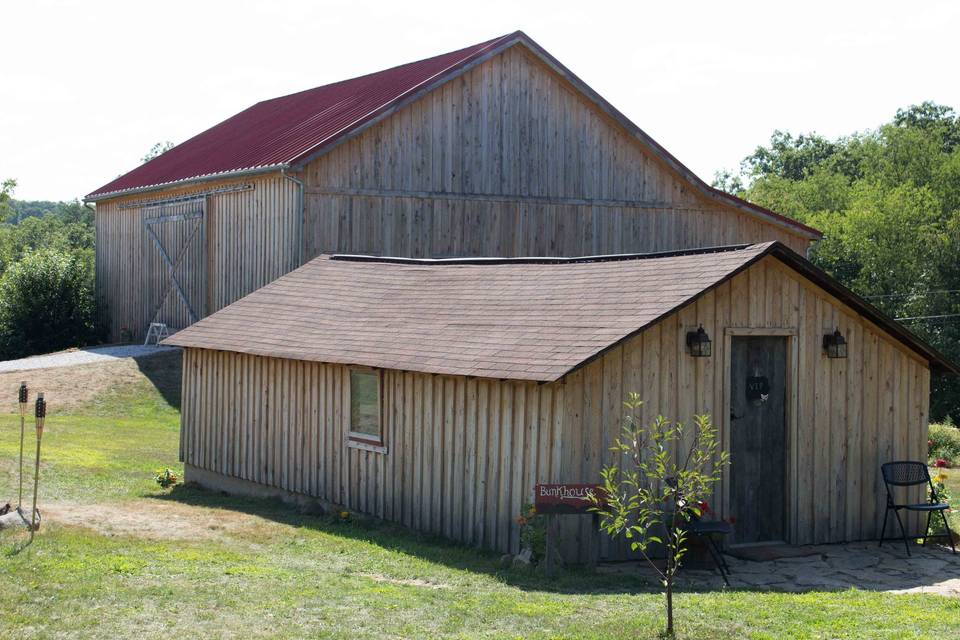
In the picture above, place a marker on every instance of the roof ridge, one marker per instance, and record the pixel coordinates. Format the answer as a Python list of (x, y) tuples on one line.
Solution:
[(489, 261), (485, 44)]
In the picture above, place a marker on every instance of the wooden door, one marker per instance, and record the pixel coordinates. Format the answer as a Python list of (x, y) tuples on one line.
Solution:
[(758, 438), (174, 274)]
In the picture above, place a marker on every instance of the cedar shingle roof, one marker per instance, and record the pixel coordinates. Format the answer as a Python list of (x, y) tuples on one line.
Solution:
[(525, 319)]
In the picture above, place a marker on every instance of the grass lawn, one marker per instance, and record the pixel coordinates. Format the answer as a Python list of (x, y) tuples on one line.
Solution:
[(120, 558)]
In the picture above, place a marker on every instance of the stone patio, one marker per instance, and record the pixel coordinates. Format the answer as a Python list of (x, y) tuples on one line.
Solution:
[(836, 567)]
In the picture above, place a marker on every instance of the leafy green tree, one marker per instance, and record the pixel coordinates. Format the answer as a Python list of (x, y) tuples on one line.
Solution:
[(46, 304), (157, 150), (672, 471), (6, 195), (888, 202)]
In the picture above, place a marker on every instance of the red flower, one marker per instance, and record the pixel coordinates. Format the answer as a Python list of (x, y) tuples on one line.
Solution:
[(704, 507), (929, 443), (940, 463)]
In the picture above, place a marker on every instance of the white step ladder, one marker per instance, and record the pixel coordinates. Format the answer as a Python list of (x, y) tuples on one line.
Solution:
[(157, 331)]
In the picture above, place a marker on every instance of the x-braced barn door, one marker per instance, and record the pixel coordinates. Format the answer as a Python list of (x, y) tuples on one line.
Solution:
[(174, 275)]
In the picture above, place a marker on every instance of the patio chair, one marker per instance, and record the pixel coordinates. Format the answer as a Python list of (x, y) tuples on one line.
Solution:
[(906, 473), (697, 527), (706, 530)]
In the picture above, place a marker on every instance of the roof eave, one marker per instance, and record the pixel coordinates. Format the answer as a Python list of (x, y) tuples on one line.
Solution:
[(937, 361), (186, 182)]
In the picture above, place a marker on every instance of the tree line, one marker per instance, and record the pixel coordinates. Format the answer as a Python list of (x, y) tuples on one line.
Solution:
[(888, 203), (46, 275)]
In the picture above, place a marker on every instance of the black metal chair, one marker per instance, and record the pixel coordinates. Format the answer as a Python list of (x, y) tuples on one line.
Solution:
[(908, 473), (706, 530), (697, 527)]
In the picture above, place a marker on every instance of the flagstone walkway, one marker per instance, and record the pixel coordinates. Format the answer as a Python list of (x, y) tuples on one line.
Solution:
[(859, 565), (838, 567)]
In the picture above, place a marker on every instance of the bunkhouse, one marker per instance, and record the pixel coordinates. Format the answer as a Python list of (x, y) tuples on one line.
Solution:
[(496, 149), (438, 393)]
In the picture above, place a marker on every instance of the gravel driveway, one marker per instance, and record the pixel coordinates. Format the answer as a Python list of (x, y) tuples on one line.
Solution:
[(82, 356)]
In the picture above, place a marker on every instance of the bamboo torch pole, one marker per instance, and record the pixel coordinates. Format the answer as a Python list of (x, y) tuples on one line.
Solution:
[(40, 414), (23, 398)]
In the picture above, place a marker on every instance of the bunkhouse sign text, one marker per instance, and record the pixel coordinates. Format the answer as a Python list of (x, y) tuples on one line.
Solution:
[(565, 498)]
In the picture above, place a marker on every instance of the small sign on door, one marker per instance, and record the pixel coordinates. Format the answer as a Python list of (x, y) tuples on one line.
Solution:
[(758, 389)]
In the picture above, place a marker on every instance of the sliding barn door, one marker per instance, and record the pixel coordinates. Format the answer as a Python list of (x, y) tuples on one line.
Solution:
[(174, 274)]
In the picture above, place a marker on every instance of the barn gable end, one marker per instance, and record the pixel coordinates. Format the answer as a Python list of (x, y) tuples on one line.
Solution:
[(512, 159)]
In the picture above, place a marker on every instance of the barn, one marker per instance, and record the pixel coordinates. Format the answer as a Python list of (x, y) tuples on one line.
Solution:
[(381, 290), (438, 392), (496, 149)]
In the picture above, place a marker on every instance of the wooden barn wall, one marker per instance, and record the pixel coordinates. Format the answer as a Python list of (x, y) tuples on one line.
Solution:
[(250, 238), (462, 454), (508, 160), (846, 417)]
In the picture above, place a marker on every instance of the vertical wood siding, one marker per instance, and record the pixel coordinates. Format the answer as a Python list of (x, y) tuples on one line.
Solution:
[(508, 160), (248, 238), (847, 416), (462, 454)]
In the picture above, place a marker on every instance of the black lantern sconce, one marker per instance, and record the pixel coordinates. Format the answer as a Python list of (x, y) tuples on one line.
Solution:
[(835, 345), (699, 343)]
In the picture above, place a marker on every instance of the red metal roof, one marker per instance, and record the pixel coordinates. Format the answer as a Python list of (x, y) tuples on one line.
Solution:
[(277, 133), (281, 131)]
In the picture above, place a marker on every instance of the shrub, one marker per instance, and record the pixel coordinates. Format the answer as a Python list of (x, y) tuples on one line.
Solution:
[(533, 531), (46, 304), (944, 444)]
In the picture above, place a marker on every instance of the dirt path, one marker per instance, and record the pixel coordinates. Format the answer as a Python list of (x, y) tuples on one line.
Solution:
[(155, 520)]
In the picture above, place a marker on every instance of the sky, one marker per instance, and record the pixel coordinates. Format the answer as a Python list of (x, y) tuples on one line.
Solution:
[(86, 88)]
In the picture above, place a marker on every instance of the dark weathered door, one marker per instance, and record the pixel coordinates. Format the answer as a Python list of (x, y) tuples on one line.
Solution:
[(758, 437), (174, 267)]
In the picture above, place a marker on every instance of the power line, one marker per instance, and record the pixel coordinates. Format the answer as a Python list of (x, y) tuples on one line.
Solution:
[(907, 295), (946, 315)]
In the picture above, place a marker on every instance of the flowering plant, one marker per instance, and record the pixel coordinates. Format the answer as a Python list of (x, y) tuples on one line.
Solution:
[(166, 478), (940, 463), (533, 530), (940, 491)]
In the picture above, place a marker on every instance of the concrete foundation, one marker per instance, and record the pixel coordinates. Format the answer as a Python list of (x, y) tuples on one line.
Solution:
[(239, 487)]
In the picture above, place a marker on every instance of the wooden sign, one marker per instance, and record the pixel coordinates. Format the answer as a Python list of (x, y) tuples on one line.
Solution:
[(564, 498)]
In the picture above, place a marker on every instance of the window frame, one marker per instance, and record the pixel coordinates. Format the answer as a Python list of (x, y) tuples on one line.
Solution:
[(358, 439)]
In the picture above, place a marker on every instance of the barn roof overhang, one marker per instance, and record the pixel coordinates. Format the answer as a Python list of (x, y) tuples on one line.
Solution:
[(189, 182)]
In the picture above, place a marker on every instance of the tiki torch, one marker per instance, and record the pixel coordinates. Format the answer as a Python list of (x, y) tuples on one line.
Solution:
[(24, 399), (40, 413)]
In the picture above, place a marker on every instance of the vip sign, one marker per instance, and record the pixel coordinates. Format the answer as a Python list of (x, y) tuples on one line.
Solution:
[(565, 498)]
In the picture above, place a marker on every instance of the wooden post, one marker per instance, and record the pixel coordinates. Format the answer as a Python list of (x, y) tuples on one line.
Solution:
[(551, 558), (594, 551)]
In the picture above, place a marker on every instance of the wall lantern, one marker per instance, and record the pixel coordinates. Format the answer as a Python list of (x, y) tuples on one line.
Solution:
[(835, 345), (699, 343)]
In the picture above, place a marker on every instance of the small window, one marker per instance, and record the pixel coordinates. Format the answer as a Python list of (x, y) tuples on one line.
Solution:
[(365, 406)]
